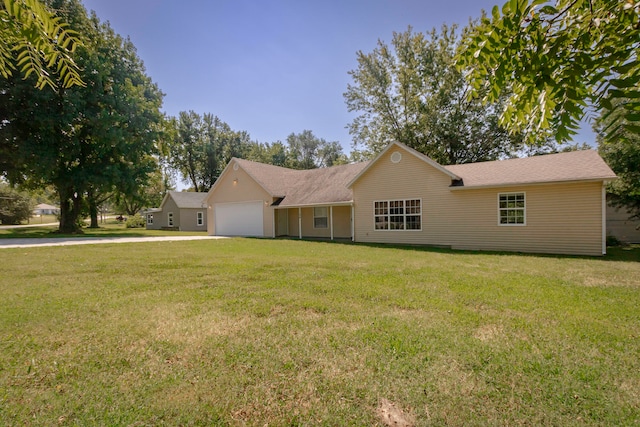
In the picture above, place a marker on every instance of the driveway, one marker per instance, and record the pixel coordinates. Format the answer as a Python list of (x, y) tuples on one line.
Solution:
[(66, 241)]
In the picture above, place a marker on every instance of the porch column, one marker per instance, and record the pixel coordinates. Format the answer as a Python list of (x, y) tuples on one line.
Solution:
[(300, 223), (353, 234), (273, 216), (331, 220)]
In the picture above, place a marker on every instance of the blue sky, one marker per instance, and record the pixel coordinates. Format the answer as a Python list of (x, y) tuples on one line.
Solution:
[(270, 67)]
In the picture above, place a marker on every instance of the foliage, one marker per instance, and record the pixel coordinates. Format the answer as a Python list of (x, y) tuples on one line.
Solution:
[(202, 147), (554, 59), (276, 154), (623, 156), (37, 42), (307, 151), (84, 141), (283, 332), (135, 221), (15, 206), (413, 93)]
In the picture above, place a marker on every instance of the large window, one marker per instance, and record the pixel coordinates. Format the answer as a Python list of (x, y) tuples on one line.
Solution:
[(511, 209), (320, 218), (398, 214), (200, 218)]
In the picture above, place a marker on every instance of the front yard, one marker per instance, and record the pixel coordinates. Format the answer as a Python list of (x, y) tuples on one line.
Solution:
[(268, 332)]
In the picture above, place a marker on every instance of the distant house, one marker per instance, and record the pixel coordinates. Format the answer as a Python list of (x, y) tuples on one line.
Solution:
[(179, 210), (621, 227), (45, 209), (550, 204)]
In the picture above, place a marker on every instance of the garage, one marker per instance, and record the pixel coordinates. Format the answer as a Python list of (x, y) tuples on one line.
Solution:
[(239, 219)]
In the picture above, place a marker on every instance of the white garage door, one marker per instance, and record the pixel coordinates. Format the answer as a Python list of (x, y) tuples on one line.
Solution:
[(239, 219)]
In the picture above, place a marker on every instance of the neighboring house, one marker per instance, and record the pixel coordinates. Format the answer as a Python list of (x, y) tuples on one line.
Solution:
[(179, 210), (551, 204), (45, 209), (621, 227)]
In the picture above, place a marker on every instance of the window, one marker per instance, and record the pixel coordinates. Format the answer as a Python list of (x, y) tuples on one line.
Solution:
[(397, 214), (149, 219), (511, 209), (170, 219), (320, 218), (199, 218)]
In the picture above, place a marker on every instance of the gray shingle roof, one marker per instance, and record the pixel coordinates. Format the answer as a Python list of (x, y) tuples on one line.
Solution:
[(582, 165), (304, 187), (187, 199)]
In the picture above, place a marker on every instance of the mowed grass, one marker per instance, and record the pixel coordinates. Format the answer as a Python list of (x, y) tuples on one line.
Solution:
[(112, 228), (283, 332)]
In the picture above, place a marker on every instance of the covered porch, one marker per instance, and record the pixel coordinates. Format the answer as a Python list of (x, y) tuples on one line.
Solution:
[(332, 221)]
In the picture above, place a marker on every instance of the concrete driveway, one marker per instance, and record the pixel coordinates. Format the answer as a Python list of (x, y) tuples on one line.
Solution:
[(66, 241)]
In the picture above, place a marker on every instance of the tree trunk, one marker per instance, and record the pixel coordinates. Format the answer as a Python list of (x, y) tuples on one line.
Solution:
[(93, 209), (70, 204)]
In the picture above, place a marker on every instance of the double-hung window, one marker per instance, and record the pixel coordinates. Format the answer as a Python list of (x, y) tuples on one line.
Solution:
[(320, 218), (200, 218), (511, 209), (149, 219), (397, 214), (170, 219)]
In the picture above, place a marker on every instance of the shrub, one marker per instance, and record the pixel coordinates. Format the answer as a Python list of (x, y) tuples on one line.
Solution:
[(135, 221), (15, 206)]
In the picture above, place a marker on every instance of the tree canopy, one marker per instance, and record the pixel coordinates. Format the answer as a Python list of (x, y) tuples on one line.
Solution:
[(555, 60), (36, 41), (82, 140), (307, 151), (413, 92)]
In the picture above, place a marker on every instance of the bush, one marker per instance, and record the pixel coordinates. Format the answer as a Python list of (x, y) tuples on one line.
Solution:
[(15, 206), (135, 221)]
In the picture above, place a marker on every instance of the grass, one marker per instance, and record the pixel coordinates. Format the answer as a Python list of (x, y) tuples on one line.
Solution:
[(284, 332), (111, 228)]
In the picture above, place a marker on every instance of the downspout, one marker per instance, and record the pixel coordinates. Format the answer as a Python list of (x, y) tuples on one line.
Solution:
[(300, 223), (331, 220), (273, 217)]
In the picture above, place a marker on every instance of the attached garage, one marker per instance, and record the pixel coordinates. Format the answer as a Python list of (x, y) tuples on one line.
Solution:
[(239, 219)]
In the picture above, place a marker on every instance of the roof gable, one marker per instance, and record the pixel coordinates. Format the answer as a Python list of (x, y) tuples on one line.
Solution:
[(585, 165), (185, 199), (409, 150)]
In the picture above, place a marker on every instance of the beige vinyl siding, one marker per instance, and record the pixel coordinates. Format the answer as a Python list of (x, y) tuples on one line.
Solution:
[(157, 220), (560, 218), (244, 190), (170, 206), (189, 220), (621, 227)]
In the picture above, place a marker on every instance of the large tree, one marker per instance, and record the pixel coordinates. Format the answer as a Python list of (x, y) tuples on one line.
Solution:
[(307, 151), (623, 156), (35, 41), (555, 60), (84, 141), (412, 92), (202, 146)]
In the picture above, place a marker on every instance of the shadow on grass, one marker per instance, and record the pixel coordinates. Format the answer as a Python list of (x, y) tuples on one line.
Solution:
[(108, 230), (614, 253)]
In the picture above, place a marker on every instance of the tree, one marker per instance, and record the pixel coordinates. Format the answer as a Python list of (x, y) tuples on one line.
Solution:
[(306, 151), (202, 147), (273, 154), (35, 41), (15, 206), (84, 141), (623, 156), (556, 59), (413, 93)]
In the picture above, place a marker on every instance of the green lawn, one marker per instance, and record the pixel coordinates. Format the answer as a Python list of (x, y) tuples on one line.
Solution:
[(283, 332), (109, 229)]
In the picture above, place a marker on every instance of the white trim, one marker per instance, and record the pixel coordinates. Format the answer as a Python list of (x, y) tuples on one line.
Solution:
[(311, 205), (199, 218), (149, 217), (604, 219), (169, 219), (525, 184), (353, 225), (331, 220), (404, 214), (524, 209)]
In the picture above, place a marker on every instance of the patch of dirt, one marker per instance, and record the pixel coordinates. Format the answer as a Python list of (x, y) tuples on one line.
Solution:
[(488, 333), (393, 416)]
